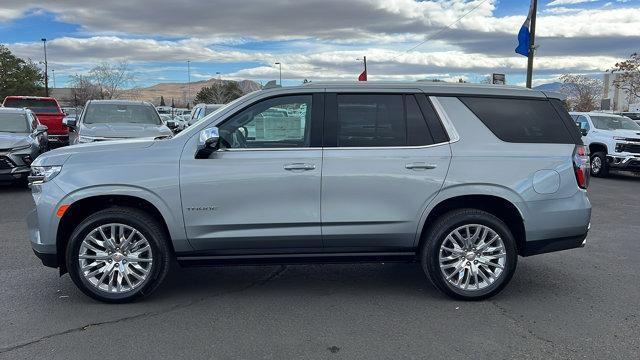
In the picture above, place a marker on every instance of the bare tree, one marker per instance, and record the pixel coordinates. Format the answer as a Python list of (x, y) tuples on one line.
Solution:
[(83, 89), (582, 91), (111, 78), (628, 77)]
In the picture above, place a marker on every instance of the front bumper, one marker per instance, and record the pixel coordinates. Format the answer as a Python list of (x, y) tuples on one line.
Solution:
[(16, 173), (624, 162)]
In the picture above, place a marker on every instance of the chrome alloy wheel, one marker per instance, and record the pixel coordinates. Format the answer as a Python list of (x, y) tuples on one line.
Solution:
[(472, 257), (596, 164), (115, 258)]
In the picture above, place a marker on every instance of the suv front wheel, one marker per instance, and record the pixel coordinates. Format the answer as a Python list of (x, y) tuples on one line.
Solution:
[(118, 255), (469, 254), (599, 165)]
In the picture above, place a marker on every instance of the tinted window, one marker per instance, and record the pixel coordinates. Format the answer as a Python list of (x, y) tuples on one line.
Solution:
[(371, 120), (35, 105), (521, 120), (121, 113), (417, 131), (281, 122)]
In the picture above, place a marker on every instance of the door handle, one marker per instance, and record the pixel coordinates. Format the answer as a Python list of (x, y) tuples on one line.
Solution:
[(299, 166), (420, 166)]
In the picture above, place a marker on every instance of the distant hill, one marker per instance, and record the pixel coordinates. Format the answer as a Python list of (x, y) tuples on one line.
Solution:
[(554, 86), (180, 91)]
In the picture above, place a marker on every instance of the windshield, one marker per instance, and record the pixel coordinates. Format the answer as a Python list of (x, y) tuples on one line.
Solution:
[(36, 105), (120, 113), (14, 123), (614, 123)]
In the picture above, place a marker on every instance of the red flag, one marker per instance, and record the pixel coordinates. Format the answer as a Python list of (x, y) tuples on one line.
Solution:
[(363, 76)]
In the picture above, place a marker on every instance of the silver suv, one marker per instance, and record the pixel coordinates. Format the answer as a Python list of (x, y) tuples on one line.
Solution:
[(459, 178)]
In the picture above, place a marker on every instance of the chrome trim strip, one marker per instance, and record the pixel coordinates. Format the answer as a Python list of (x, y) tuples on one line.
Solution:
[(295, 255), (446, 121)]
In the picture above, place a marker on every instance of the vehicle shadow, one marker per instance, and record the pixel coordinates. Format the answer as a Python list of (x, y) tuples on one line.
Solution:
[(623, 175), (13, 187)]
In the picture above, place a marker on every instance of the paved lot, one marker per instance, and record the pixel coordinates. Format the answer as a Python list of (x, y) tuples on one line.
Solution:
[(581, 303)]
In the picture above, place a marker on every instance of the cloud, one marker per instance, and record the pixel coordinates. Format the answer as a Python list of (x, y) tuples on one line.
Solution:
[(568, 2)]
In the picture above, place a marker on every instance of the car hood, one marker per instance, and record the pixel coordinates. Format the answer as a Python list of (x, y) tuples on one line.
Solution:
[(11, 140), (621, 133), (124, 130), (60, 155)]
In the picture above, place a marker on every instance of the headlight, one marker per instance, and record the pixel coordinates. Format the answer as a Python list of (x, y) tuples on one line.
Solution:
[(86, 139), (23, 147), (42, 174)]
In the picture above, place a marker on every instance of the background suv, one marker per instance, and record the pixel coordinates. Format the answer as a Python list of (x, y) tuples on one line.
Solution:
[(613, 141), (48, 112), (115, 119), (22, 139), (460, 178)]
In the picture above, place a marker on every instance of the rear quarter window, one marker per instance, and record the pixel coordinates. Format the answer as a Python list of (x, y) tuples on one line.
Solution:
[(521, 120)]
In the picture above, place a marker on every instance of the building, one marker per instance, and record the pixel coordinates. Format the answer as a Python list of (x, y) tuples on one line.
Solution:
[(615, 98)]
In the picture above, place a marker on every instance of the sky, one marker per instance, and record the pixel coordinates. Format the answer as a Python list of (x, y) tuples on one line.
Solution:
[(320, 40)]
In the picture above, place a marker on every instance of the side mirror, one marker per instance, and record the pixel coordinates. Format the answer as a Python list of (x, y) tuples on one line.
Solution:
[(41, 129), (583, 132), (208, 142), (172, 124), (69, 122)]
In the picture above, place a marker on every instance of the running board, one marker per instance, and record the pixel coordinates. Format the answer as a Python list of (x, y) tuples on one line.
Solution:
[(284, 259)]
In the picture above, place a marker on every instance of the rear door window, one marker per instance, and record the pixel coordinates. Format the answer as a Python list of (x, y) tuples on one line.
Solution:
[(521, 120), (378, 120)]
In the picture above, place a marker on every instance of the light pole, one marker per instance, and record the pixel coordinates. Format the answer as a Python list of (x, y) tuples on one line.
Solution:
[(46, 68), (219, 76), (188, 82), (53, 75), (280, 65)]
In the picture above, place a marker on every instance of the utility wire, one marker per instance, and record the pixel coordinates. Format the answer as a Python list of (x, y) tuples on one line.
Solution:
[(434, 35)]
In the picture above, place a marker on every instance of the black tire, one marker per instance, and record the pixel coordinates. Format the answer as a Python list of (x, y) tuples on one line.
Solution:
[(436, 235), (142, 222), (603, 170)]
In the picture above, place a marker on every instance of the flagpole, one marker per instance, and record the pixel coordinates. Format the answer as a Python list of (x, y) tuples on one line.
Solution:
[(366, 74), (532, 43)]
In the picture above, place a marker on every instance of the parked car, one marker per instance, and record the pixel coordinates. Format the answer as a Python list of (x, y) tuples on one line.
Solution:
[(635, 116), (613, 141), (48, 112), (73, 112), (201, 110), (116, 119), (461, 179), (179, 122), (22, 139)]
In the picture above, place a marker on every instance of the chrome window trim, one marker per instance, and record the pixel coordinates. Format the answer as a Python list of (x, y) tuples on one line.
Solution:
[(446, 121)]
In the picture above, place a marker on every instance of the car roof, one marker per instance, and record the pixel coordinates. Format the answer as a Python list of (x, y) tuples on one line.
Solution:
[(594, 113), (436, 88), (7, 110), (120, 102), (29, 97)]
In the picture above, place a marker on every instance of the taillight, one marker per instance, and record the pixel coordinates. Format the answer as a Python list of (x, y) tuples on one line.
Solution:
[(581, 166)]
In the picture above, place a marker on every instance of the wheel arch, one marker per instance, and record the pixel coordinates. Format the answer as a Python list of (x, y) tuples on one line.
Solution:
[(596, 147), (499, 206), (83, 206)]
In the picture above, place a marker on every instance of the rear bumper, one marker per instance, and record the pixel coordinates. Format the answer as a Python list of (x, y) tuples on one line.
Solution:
[(50, 260), (552, 245)]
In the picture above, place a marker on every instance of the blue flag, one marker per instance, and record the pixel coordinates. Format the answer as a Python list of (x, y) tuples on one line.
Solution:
[(524, 35)]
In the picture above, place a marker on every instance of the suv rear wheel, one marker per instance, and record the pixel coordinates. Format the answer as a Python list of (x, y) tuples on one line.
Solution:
[(469, 254), (118, 255), (599, 165)]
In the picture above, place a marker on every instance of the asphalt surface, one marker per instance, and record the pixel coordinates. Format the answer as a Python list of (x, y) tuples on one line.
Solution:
[(582, 303)]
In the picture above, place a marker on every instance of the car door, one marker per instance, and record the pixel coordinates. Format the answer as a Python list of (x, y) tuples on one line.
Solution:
[(259, 193), (386, 156)]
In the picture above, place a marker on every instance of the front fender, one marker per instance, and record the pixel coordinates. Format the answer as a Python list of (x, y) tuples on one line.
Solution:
[(171, 215)]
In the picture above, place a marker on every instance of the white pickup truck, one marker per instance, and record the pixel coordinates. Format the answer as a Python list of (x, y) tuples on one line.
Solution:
[(613, 141)]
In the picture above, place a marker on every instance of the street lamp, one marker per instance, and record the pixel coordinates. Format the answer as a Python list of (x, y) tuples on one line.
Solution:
[(53, 75), (188, 82), (280, 65), (219, 76), (46, 69)]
